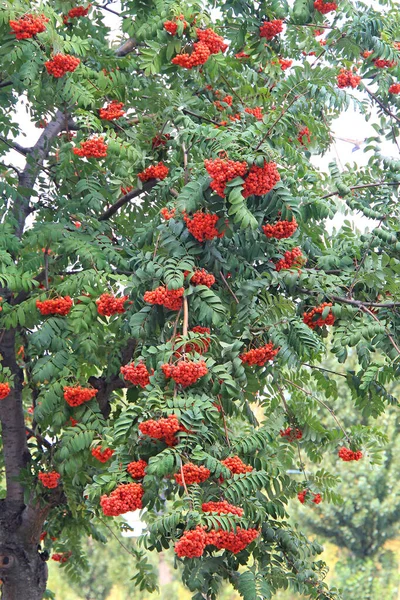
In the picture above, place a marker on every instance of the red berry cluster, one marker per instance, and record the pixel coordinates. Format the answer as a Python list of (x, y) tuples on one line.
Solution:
[(214, 42), (57, 306), (222, 508), (112, 111), (381, 63), (305, 132), (259, 356), (171, 299), (77, 395), (281, 229), (325, 7), (49, 480), (222, 170), (29, 25), (172, 26), (291, 433), (159, 171), (102, 455), (347, 79), (317, 499), (270, 29), (92, 148), (160, 140), (124, 498), (308, 317), (202, 226), (167, 214), (233, 542), (291, 258), (261, 180), (73, 421), (79, 11), (348, 455), (236, 465), (201, 277), (199, 56), (227, 99), (394, 88), (285, 63), (108, 305), (4, 390), (126, 190), (192, 474), (137, 469), (242, 55), (61, 64), (61, 557), (367, 53), (185, 372), (163, 429), (256, 112), (192, 543), (138, 375)]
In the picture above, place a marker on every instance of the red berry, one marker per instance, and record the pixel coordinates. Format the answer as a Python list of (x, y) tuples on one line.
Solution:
[(28, 26), (4, 390), (79, 11), (124, 498), (172, 26), (259, 356), (57, 306), (221, 171), (77, 395), (308, 317), (61, 64), (201, 277), (92, 148), (159, 171), (256, 112), (192, 543), (49, 480), (394, 88), (261, 180), (167, 214), (222, 508)]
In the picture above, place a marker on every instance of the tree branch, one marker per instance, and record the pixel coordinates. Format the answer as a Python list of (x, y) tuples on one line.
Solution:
[(186, 111), (383, 107), (15, 146), (363, 186), (126, 47), (358, 303), (125, 199)]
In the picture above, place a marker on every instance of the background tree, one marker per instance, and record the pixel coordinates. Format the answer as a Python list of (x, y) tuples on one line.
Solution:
[(193, 280)]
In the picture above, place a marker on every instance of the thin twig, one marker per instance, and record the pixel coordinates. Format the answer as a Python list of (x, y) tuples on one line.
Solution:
[(156, 245), (371, 314), (341, 300), (42, 441), (117, 538), (192, 114), (325, 370), (383, 107), (125, 199), (363, 186), (229, 287)]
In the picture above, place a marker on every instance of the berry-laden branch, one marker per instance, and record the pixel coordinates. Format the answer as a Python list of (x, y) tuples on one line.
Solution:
[(146, 187)]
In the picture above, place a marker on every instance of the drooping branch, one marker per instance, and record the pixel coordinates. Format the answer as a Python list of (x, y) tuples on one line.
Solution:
[(125, 199), (364, 186), (380, 103), (350, 301)]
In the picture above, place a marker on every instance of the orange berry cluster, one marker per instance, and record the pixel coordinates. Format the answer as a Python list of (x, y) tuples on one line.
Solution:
[(227, 99), (171, 299), (291, 433), (242, 55), (394, 88), (305, 132), (79, 11), (270, 29), (281, 229), (61, 64), (291, 258), (29, 25), (233, 542), (221, 171), (4, 390), (92, 148), (308, 317), (236, 465), (185, 372), (172, 26), (261, 180), (167, 214), (347, 79), (61, 557), (137, 469), (285, 63), (367, 53), (138, 375), (199, 56), (201, 277), (163, 429), (214, 42), (77, 395), (124, 498), (325, 7), (159, 171), (126, 190), (160, 140), (192, 474), (73, 421), (381, 63), (256, 112), (112, 111), (259, 356), (348, 455), (317, 499), (102, 456), (202, 226), (49, 480), (222, 508), (108, 305), (57, 306), (192, 543)]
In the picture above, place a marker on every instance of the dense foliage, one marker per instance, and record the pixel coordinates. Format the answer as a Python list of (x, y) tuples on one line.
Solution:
[(166, 269)]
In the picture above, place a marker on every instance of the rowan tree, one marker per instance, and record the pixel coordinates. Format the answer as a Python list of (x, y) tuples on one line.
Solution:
[(166, 267)]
